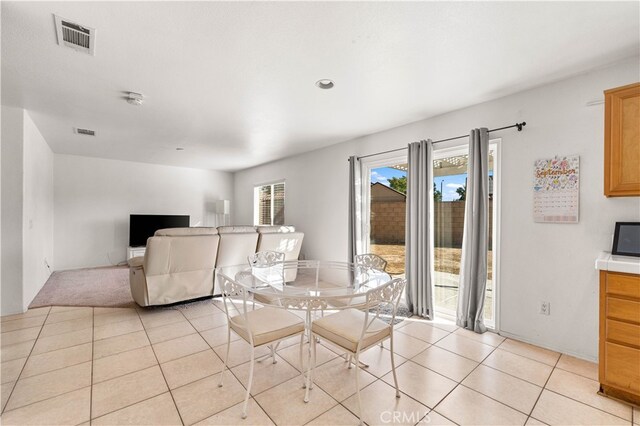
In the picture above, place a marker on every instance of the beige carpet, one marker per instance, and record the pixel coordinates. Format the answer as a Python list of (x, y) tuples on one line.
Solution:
[(107, 286)]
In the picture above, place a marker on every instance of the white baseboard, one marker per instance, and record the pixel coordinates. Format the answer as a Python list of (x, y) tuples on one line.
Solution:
[(545, 346)]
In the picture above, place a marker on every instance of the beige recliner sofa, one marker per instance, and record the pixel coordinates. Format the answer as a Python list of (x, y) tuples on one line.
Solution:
[(236, 244), (179, 263)]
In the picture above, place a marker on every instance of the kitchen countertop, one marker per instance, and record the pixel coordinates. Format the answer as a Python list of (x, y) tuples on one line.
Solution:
[(625, 264)]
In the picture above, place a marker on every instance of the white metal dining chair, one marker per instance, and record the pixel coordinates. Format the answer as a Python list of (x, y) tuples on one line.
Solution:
[(265, 258), (258, 327), (357, 330), (268, 266), (370, 260)]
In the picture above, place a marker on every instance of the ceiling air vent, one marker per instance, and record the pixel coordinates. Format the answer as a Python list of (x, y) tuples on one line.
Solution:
[(86, 132), (75, 36)]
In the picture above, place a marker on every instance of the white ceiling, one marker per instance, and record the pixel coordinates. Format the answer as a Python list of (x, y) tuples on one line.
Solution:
[(233, 82)]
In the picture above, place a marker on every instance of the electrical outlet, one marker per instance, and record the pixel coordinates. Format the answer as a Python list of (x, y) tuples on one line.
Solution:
[(545, 308)]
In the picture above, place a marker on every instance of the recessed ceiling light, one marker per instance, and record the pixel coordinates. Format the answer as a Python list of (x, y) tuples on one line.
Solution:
[(179, 148), (325, 83), (135, 98)]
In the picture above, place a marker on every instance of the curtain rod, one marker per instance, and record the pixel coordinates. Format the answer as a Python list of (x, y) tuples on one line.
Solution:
[(518, 125)]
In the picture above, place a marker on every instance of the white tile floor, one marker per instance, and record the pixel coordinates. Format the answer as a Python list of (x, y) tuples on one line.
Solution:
[(70, 365)]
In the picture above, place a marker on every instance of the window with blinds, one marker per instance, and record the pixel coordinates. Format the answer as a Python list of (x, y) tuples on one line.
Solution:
[(269, 204)]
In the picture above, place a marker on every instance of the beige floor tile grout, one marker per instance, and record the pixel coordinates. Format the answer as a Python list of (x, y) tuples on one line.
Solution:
[(478, 341), (497, 400), (56, 369), (363, 388), (427, 368), (465, 357), (588, 405), (399, 330), (432, 410), (59, 322), (130, 372), (543, 388), (528, 357), (49, 398), (120, 335), (123, 352), (93, 342), (465, 377), (281, 359), (131, 405), (27, 328), (6, 318), (161, 372), (25, 363), (511, 375), (59, 349), (3, 324), (573, 372)]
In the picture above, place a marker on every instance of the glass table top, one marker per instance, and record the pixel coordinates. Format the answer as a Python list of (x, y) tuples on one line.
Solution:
[(307, 279)]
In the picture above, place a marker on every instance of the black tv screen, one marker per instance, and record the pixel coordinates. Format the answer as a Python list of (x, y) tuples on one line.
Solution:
[(142, 226)]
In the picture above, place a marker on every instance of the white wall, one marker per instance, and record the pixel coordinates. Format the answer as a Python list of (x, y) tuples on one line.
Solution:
[(539, 262), (12, 167), (37, 214), (27, 210), (94, 197)]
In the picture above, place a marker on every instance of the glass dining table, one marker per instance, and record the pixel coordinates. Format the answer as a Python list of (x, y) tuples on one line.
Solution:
[(306, 285), (310, 287)]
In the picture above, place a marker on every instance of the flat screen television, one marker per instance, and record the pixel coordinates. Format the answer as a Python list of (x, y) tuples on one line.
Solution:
[(142, 226), (626, 239)]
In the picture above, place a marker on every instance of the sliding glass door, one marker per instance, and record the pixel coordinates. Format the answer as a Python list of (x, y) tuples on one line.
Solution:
[(450, 184), (384, 215), (384, 210)]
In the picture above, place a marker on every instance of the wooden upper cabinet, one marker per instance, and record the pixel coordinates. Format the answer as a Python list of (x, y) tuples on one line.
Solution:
[(622, 141)]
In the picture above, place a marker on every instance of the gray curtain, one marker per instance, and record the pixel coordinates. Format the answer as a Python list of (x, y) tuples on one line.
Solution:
[(419, 235), (473, 266), (355, 203)]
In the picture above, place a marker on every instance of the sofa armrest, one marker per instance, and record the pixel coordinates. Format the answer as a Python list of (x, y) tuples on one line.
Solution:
[(136, 262)]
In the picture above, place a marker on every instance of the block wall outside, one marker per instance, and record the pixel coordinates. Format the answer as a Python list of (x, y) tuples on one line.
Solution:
[(388, 222)]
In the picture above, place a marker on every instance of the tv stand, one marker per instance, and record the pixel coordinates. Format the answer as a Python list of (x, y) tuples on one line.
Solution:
[(135, 251)]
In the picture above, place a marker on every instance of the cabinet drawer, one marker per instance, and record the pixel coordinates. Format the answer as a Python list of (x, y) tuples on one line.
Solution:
[(622, 367), (623, 285), (626, 310), (623, 332)]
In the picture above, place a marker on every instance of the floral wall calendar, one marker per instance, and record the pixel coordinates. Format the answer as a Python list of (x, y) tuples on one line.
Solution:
[(556, 190)]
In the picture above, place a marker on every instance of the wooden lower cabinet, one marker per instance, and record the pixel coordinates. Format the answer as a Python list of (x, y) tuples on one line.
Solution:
[(619, 352)]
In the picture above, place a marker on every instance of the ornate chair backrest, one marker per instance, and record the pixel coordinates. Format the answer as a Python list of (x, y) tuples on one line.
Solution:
[(370, 260), (265, 258), (268, 266), (235, 298), (377, 299)]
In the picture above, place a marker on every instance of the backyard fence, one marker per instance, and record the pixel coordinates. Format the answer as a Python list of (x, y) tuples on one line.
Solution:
[(388, 222)]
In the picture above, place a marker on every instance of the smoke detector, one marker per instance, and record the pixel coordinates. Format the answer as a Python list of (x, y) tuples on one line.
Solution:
[(135, 98), (75, 36)]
